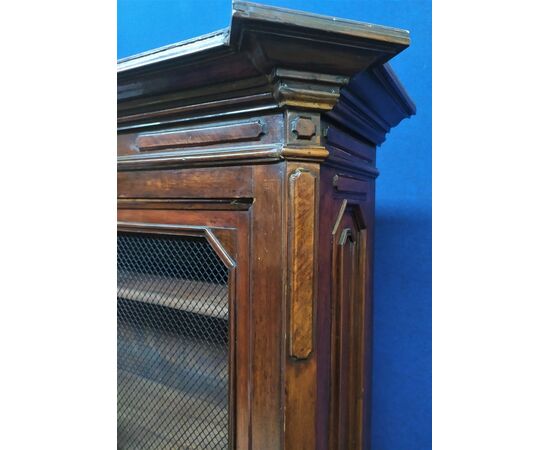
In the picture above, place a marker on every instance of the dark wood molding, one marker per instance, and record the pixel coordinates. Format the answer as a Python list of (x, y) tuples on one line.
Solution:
[(200, 157), (188, 118), (354, 147), (183, 230), (306, 90), (248, 18), (305, 153), (300, 21), (221, 156), (176, 114), (270, 60), (302, 128), (249, 130), (174, 51), (213, 204), (273, 57), (371, 104), (347, 184)]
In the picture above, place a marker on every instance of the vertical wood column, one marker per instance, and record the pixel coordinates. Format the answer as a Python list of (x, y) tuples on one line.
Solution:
[(300, 353), (266, 312)]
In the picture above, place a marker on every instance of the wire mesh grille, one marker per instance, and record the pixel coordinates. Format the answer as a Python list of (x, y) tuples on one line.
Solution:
[(172, 312)]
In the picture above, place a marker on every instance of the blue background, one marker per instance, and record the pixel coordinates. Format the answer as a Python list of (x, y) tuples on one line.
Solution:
[(402, 316)]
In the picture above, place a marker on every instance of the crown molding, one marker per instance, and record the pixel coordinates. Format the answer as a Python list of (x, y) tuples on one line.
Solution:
[(260, 39), (269, 60)]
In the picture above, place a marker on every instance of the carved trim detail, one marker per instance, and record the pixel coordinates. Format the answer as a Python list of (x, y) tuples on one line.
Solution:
[(183, 230), (310, 153), (187, 137), (303, 95), (209, 204), (371, 104), (200, 157), (220, 156), (302, 200), (343, 183), (306, 89), (302, 128)]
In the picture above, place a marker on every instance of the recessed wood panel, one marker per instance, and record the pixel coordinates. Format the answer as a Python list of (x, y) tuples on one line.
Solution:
[(230, 132), (302, 188), (199, 183), (348, 312)]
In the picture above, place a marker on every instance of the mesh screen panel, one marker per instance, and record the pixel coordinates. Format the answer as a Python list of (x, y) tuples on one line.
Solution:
[(173, 351)]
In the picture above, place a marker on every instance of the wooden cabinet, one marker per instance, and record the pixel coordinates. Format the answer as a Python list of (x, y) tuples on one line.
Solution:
[(246, 170)]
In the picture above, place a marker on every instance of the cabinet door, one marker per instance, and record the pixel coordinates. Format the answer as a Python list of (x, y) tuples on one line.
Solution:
[(177, 330)]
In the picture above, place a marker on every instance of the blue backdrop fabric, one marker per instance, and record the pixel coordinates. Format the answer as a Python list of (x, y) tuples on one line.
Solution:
[(401, 417)]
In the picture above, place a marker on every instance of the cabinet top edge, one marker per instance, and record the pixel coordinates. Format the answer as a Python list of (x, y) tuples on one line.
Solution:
[(319, 23), (219, 38), (246, 16)]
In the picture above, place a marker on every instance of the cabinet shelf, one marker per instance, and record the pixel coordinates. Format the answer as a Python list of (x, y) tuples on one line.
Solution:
[(197, 297)]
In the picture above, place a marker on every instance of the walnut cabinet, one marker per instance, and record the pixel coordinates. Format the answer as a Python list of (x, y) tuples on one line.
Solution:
[(246, 173)]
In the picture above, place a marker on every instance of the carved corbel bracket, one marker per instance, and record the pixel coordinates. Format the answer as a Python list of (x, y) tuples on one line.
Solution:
[(307, 90)]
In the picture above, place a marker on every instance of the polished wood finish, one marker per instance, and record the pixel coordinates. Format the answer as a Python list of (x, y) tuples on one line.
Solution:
[(216, 134), (262, 138), (302, 228)]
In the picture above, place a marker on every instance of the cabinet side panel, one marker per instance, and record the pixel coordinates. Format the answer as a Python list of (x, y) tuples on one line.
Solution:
[(344, 309)]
